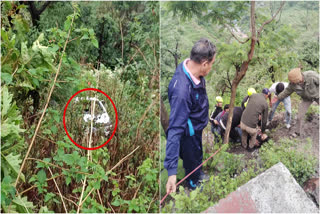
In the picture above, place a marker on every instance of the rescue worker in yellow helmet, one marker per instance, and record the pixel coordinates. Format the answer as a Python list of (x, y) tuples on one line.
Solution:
[(246, 99)]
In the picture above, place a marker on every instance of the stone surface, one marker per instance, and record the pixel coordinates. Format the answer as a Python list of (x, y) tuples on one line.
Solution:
[(273, 191)]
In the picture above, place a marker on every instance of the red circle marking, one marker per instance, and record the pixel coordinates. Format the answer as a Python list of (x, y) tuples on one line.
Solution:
[(64, 119)]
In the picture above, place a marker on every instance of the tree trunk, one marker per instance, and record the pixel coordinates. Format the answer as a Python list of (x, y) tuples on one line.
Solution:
[(164, 118), (35, 13), (241, 73)]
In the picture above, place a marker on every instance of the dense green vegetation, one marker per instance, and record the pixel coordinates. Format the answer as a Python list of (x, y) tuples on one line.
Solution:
[(289, 41), (109, 45)]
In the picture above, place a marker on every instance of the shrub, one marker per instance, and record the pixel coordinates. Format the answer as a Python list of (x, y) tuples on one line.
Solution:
[(299, 164)]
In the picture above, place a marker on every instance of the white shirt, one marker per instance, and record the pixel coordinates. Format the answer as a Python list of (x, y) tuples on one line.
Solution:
[(272, 89)]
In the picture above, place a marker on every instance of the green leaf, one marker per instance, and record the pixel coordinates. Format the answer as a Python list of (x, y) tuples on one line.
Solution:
[(95, 43), (91, 32), (42, 176), (7, 78), (68, 180), (12, 162), (56, 117), (54, 48), (48, 196), (54, 129), (26, 85), (10, 129), (44, 209), (96, 185), (23, 205), (47, 131), (116, 203), (24, 53), (35, 82), (68, 159), (6, 99), (85, 36), (67, 24)]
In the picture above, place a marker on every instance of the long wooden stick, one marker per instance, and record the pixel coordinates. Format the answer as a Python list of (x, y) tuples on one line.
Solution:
[(64, 205), (90, 143), (46, 106)]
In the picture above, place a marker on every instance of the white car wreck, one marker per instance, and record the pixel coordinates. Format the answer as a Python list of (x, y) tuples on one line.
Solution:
[(100, 116)]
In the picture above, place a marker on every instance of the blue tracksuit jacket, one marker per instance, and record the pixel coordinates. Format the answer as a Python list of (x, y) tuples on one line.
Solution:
[(188, 117)]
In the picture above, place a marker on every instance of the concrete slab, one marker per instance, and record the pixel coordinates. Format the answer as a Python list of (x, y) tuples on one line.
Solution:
[(273, 191)]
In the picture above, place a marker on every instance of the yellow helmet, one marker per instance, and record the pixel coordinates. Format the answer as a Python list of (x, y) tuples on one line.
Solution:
[(219, 99), (251, 91)]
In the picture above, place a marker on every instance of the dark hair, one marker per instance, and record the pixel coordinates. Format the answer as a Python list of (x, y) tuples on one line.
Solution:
[(203, 50), (279, 87), (226, 106)]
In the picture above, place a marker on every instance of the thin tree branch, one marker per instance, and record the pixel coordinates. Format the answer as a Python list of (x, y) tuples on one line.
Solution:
[(135, 194), (83, 187), (270, 20), (70, 201), (14, 71), (110, 207), (121, 41), (64, 205), (142, 54), (90, 143), (100, 197), (152, 201), (228, 78), (230, 30), (73, 39), (173, 54), (46, 106)]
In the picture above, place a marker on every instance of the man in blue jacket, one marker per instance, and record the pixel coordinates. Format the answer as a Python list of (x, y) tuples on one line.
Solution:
[(189, 113)]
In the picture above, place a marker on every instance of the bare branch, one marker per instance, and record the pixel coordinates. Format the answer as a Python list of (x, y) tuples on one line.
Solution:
[(229, 81), (270, 20), (232, 33), (73, 39), (121, 40), (135, 46), (61, 196), (172, 53)]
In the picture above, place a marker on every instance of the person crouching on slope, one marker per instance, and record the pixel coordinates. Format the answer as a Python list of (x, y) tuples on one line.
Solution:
[(256, 110)]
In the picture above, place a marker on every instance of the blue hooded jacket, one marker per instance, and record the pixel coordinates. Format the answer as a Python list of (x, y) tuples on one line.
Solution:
[(189, 113)]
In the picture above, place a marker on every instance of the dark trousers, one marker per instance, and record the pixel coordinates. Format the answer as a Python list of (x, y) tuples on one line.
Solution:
[(218, 133), (191, 154)]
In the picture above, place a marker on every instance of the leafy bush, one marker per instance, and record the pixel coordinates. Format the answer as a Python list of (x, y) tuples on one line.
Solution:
[(218, 187), (301, 165)]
